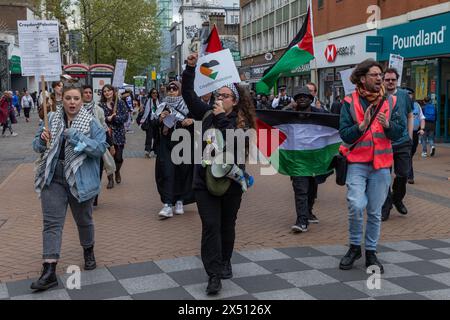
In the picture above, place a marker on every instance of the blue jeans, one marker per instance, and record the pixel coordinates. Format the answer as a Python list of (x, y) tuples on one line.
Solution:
[(428, 137), (367, 189)]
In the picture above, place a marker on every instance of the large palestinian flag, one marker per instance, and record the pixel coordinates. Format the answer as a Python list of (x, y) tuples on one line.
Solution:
[(306, 144), (299, 52)]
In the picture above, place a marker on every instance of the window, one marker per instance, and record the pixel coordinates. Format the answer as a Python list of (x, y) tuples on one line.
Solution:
[(270, 44)]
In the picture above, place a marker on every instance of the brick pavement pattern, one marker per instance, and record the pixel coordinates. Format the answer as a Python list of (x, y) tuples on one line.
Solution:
[(415, 270)]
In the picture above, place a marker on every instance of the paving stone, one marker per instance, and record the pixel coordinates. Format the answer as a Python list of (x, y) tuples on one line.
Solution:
[(418, 283), (3, 291), (320, 262), (264, 255), (245, 297), (148, 283), (60, 294), (124, 298), (442, 262), (284, 265), (406, 296), (437, 294), (403, 245), (444, 250), (101, 291), (428, 254), (397, 257), (135, 270), (381, 248), (431, 243), (91, 277), (387, 288), (286, 294), (394, 271), (301, 252), (243, 270), (262, 283), (307, 278), (184, 278), (336, 250), (238, 258), (229, 290), (354, 274), (22, 287), (441, 277), (423, 267), (335, 291), (180, 264), (168, 294)]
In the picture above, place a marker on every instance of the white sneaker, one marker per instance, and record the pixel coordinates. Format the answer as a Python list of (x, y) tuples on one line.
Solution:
[(147, 155), (179, 209), (166, 212), (14, 134), (424, 155), (152, 154)]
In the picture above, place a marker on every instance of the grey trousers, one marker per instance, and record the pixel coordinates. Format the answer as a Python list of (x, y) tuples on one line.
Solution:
[(54, 201)]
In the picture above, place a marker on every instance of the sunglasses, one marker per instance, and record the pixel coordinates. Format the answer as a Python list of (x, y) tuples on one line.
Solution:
[(172, 88)]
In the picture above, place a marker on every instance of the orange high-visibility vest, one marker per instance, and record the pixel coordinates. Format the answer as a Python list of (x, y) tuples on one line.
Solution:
[(374, 146)]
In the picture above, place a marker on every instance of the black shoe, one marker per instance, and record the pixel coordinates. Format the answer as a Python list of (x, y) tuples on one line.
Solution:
[(353, 254), (400, 207), (110, 182), (89, 259), (95, 204), (372, 260), (313, 219), (227, 271), (385, 216), (48, 278), (298, 228), (214, 285), (411, 181), (118, 177), (433, 151)]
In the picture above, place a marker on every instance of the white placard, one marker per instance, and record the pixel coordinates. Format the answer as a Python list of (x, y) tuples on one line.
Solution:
[(98, 83), (40, 48), (214, 71), (119, 73), (349, 87), (396, 61)]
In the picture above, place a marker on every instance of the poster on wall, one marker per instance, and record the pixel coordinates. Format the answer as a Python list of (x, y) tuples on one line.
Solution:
[(396, 61), (421, 75)]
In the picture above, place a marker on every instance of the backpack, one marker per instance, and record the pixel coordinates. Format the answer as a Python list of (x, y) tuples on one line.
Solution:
[(429, 111)]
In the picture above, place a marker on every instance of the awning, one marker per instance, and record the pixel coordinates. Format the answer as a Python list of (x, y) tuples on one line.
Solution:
[(14, 65)]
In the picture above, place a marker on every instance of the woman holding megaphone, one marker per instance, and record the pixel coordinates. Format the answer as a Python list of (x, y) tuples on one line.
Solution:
[(218, 201)]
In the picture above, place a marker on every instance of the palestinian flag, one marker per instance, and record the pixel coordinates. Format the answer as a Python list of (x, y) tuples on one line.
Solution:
[(212, 44), (299, 52), (306, 144)]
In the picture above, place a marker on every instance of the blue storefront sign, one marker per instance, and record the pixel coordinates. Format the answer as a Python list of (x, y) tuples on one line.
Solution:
[(419, 38)]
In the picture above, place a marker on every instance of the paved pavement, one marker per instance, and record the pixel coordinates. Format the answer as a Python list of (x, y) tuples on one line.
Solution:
[(132, 242)]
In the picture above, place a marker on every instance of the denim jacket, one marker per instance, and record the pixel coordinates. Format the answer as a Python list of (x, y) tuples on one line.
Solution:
[(88, 175)]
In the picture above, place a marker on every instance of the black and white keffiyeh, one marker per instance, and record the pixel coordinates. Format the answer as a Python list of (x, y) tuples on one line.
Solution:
[(73, 159), (90, 107), (176, 105)]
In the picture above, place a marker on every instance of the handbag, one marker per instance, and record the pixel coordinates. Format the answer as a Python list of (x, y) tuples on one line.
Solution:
[(109, 163), (340, 163)]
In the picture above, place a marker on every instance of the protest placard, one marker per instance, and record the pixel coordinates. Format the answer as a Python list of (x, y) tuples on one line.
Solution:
[(119, 73)]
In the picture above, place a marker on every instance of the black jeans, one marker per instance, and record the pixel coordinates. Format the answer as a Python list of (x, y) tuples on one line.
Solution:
[(118, 157), (150, 139), (415, 144), (26, 111), (305, 189), (402, 160), (218, 215)]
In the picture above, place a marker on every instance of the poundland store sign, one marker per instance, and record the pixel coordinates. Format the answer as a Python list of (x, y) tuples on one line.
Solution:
[(420, 38)]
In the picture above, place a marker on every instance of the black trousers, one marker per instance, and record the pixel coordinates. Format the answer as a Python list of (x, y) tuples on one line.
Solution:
[(150, 139), (218, 216), (26, 111), (402, 160), (305, 190), (118, 157), (415, 144)]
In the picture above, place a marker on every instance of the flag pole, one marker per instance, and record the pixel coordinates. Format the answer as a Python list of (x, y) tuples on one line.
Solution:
[(44, 105)]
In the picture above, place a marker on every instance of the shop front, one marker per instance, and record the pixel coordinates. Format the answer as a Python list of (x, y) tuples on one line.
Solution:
[(336, 55), (425, 46)]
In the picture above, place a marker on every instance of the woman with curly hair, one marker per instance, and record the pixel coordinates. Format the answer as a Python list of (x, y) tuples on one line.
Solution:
[(232, 110)]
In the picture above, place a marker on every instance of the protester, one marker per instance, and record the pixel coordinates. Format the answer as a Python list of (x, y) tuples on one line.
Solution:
[(208, 99), (127, 98), (67, 174), (34, 95), (264, 103), (7, 114), (116, 115), (368, 123), (27, 104), (401, 146), (282, 100), (314, 91), (234, 109), (429, 111), (418, 131), (162, 92), (16, 102), (305, 188), (174, 181), (148, 125), (54, 100)]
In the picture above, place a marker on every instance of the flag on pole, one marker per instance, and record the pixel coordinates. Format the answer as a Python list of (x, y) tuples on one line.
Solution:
[(212, 43), (299, 52), (306, 145)]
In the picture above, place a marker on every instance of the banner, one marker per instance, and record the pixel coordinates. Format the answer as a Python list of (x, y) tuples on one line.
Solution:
[(214, 71), (119, 73), (40, 48), (396, 61)]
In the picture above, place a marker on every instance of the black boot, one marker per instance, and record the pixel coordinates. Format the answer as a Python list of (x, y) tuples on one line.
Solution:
[(48, 278), (400, 207), (89, 259), (227, 271), (214, 285), (118, 177), (372, 260), (353, 254), (110, 182)]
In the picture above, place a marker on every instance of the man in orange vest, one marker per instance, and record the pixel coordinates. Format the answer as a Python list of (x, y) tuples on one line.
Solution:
[(367, 127)]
